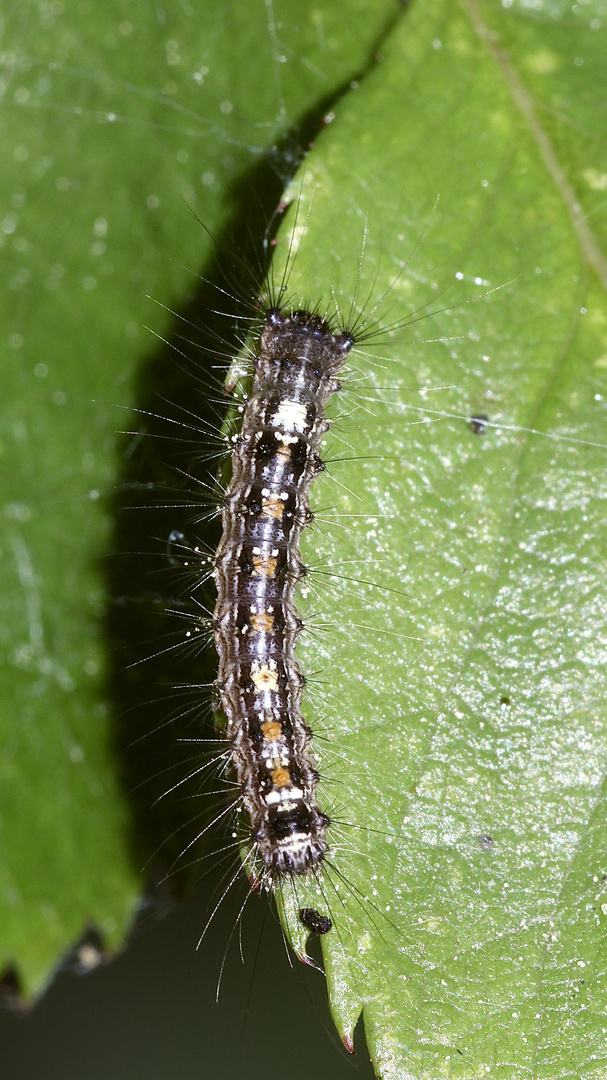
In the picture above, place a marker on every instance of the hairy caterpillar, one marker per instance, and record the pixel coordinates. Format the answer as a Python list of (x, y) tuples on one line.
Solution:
[(257, 567), (282, 827)]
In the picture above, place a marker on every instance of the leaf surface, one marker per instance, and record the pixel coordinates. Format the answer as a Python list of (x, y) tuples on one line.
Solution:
[(110, 114), (463, 707)]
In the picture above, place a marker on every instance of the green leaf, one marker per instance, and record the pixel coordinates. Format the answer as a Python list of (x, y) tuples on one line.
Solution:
[(112, 114), (465, 749), (462, 709)]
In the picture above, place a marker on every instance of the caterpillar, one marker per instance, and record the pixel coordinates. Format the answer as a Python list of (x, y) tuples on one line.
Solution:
[(257, 567), (283, 829)]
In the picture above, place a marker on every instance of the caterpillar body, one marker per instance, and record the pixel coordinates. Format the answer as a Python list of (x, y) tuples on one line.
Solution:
[(257, 567)]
